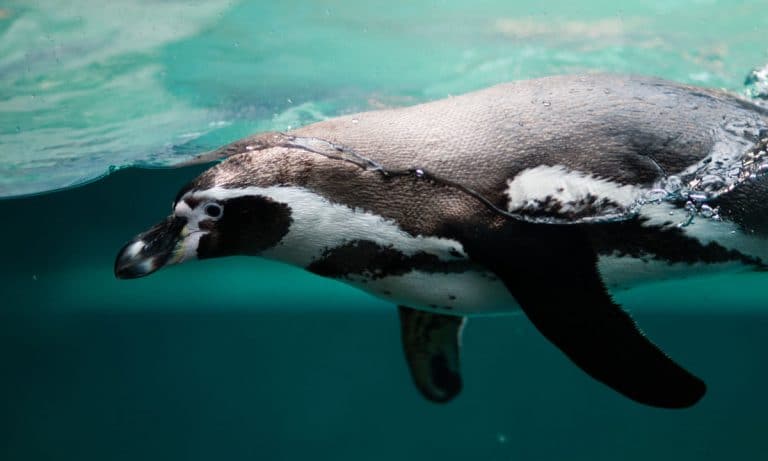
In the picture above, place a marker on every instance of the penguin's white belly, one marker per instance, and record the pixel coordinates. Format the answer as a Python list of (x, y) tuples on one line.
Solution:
[(464, 293), (324, 234), (477, 292), (623, 272)]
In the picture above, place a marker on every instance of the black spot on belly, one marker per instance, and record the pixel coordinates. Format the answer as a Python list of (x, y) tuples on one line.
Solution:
[(373, 261), (451, 297)]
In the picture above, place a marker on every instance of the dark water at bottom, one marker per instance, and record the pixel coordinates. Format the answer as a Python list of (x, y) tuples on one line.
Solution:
[(240, 359), (201, 386)]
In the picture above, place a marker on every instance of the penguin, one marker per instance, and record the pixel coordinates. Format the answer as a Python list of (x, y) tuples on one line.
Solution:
[(541, 196)]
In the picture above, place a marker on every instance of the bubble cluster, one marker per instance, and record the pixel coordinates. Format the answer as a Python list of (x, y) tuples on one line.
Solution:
[(756, 83)]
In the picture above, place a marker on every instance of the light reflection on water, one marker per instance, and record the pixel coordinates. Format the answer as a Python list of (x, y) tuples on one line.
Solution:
[(87, 85)]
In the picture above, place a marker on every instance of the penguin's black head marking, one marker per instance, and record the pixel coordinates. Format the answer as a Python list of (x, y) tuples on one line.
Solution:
[(207, 224), (245, 225)]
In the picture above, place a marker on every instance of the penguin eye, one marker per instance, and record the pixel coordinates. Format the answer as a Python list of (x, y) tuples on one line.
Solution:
[(214, 210)]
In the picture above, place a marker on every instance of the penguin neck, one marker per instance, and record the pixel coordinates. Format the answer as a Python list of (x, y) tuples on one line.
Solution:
[(319, 226), (316, 224)]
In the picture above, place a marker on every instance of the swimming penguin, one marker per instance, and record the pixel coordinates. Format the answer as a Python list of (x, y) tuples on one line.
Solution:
[(537, 196)]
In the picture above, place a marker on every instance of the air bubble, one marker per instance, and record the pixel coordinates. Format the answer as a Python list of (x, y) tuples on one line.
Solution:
[(707, 211), (757, 84), (698, 197), (673, 184), (712, 181), (656, 195)]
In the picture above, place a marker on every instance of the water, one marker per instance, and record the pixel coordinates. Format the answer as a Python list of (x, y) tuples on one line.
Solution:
[(242, 358), (85, 85)]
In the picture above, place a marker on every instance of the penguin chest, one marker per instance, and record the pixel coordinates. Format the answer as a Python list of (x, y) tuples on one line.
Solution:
[(422, 277), (460, 293), (377, 255)]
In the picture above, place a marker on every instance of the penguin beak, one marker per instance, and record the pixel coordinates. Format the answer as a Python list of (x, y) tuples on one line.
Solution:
[(150, 250)]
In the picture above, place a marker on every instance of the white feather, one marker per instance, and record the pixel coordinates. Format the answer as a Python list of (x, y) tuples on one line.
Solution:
[(470, 292), (570, 188)]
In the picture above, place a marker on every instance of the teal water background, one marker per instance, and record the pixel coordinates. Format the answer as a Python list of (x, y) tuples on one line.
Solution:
[(247, 359)]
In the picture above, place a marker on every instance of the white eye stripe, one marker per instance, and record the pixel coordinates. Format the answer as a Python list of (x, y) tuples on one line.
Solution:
[(205, 210), (319, 224), (193, 215), (182, 208)]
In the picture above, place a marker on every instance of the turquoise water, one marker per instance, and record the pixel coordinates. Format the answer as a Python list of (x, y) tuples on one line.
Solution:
[(86, 85), (243, 358)]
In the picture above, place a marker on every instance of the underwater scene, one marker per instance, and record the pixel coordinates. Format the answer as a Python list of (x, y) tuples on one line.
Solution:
[(104, 109)]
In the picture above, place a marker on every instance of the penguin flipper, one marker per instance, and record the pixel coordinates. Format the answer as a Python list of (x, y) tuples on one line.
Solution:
[(561, 292), (432, 344)]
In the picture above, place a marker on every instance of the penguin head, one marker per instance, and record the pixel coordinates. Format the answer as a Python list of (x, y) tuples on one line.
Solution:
[(207, 221)]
